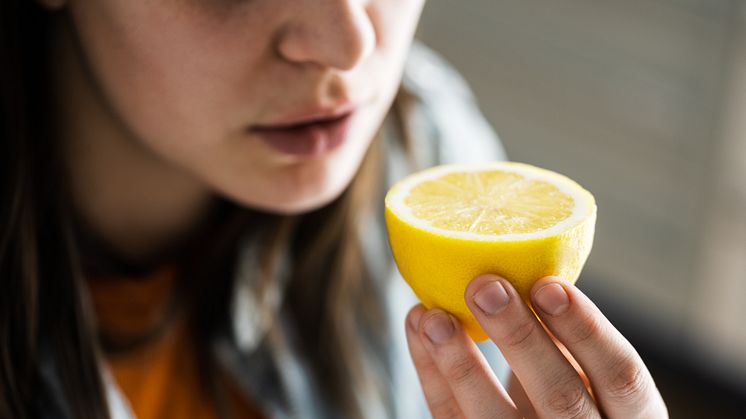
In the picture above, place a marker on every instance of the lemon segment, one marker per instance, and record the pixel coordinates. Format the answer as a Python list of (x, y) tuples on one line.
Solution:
[(450, 224)]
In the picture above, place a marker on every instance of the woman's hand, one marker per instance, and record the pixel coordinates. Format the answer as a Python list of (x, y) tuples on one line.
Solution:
[(603, 377)]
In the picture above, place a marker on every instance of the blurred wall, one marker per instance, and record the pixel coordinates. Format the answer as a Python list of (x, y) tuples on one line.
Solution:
[(642, 102)]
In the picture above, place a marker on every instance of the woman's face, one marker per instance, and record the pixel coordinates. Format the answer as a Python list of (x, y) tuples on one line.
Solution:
[(272, 103)]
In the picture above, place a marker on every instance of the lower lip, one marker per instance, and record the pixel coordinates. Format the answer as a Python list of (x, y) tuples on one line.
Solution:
[(308, 140)]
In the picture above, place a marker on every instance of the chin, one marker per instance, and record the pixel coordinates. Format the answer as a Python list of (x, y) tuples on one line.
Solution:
[(299, 187), (295, 205), (307, 188), (299, 195), (298, 207)]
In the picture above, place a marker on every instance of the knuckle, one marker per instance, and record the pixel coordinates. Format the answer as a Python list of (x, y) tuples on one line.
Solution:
[(461, 370), (519, 337), (569, 401), (628, 381), (585, 330)]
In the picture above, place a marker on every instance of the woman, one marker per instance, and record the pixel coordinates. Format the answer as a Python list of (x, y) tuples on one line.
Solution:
[(191, 198)]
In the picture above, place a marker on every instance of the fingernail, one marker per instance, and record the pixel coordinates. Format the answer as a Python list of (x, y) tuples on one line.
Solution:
[(439, 328), (491, 298), (552, 299), (414, 319)]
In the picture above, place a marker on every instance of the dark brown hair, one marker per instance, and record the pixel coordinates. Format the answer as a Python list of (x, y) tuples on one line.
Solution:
[(43, 297), (40, 282)]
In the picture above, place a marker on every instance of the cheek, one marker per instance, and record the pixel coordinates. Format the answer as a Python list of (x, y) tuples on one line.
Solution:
[(178, 76), (187, 81), (395, 21)]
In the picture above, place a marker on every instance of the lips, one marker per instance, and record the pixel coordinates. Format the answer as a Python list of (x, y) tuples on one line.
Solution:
[(311, 134)]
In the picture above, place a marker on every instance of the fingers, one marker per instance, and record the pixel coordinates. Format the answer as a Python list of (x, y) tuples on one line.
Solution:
[(446, 358), (621, 383), (519, 397), (437, 391), (550, 382)]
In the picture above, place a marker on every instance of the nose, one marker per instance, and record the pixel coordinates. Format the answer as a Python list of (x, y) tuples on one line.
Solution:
[(329, 33)]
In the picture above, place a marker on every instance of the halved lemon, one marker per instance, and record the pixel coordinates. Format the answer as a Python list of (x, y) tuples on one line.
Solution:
[(449, 224)]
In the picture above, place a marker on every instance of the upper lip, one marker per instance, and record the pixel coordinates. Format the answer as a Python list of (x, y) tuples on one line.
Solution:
[(311, 115)]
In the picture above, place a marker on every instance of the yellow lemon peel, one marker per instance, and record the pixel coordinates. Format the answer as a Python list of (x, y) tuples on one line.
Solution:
[(449, 224)]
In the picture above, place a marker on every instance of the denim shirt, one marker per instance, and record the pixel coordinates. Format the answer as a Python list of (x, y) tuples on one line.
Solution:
[(447, 127)]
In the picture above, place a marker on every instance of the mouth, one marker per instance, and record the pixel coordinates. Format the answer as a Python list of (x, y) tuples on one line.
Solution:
[(314, 133)]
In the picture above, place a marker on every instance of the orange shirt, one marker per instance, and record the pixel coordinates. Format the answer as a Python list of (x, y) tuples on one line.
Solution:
[(159, 378)]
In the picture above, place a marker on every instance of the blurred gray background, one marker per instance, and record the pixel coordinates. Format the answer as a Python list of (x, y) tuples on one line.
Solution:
[(644, 103)]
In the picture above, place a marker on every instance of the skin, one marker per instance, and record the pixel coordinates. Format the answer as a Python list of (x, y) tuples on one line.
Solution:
[(569, 363), (154, 100), (157, 98)]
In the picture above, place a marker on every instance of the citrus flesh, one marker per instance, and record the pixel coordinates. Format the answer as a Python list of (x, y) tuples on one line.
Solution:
[(449, 224)]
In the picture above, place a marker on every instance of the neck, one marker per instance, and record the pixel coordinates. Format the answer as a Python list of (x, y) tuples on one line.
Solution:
[(135, 201)]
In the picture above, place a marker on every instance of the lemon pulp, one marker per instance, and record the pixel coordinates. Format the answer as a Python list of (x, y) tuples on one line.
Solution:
[(491, 202)]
